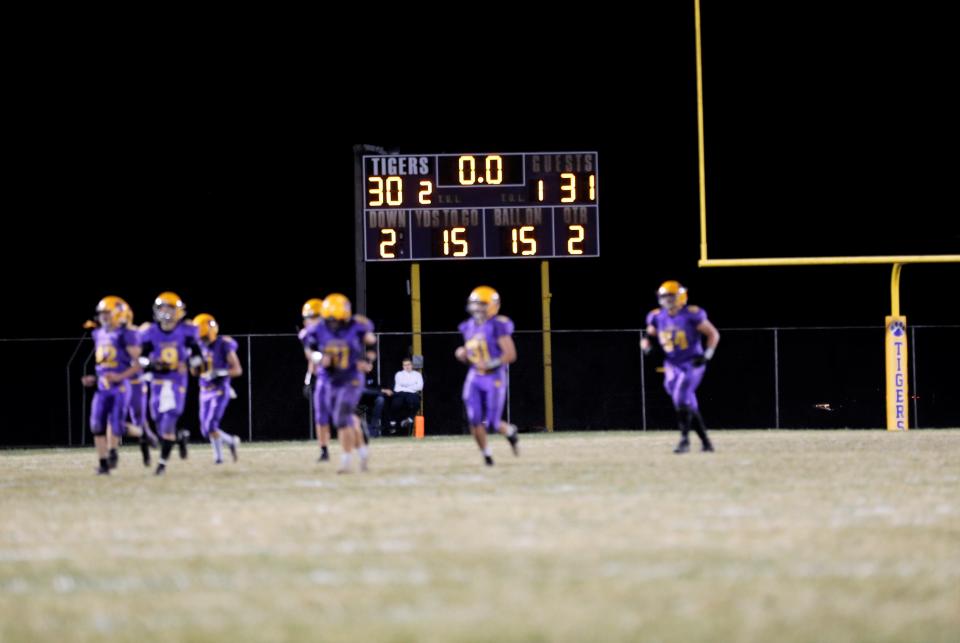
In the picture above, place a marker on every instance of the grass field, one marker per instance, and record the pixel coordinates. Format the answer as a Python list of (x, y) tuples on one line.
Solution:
[(779, 536)]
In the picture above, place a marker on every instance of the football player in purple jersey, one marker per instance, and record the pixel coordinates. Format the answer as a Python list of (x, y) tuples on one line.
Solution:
[(220, 364), (341, 349), (137, 424), (315, 382), (174, 343), (488, 347), (678, 328), (117, 353)]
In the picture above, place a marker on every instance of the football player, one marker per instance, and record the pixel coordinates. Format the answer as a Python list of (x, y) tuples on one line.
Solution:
[(117, 353), (220, 364), (341, 347), (315, 382), (137, 424), (678, 328), (174, 343), (488, 347)]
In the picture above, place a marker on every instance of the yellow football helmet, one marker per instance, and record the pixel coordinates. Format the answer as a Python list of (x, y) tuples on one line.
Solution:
[(113, 306), (671, 294), (335, 307), (483, 303), (168, 307), (208, 327), (312, 308)]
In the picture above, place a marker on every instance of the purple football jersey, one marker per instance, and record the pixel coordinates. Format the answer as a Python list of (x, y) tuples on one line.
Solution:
[(303, 337), (215, 354), (170, 348), (309, 338), (111, 351), (678, 334), (215, 358), (344, 346), (480, 340)]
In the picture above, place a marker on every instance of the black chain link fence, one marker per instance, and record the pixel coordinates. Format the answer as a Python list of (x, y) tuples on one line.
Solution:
[(791, 378)]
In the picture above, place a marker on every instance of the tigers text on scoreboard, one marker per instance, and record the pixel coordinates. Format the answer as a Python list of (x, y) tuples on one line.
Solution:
[(481, 206)]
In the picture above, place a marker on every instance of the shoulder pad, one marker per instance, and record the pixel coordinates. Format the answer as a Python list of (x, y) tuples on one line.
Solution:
[(363, 319), (693, 309)]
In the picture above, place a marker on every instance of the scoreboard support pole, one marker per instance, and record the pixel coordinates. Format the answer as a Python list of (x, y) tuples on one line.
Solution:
[(416, 325), (547, 347), (415, 309), (360, 296)]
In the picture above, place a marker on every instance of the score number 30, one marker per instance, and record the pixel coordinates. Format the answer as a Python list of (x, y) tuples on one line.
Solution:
[(390, 191)]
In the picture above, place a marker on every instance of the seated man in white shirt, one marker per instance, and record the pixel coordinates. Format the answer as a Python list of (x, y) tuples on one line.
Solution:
[(405, 401)]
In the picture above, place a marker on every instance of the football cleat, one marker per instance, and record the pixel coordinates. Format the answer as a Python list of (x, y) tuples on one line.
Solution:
[(514, 439), (183, 436)]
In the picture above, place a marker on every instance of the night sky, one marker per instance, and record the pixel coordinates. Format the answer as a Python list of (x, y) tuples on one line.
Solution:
[(235, 189)]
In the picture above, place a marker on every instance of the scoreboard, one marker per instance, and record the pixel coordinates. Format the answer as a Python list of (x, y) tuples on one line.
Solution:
[(490, 205)]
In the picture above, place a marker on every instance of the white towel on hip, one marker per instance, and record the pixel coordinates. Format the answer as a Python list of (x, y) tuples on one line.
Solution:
[(168, 401)]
